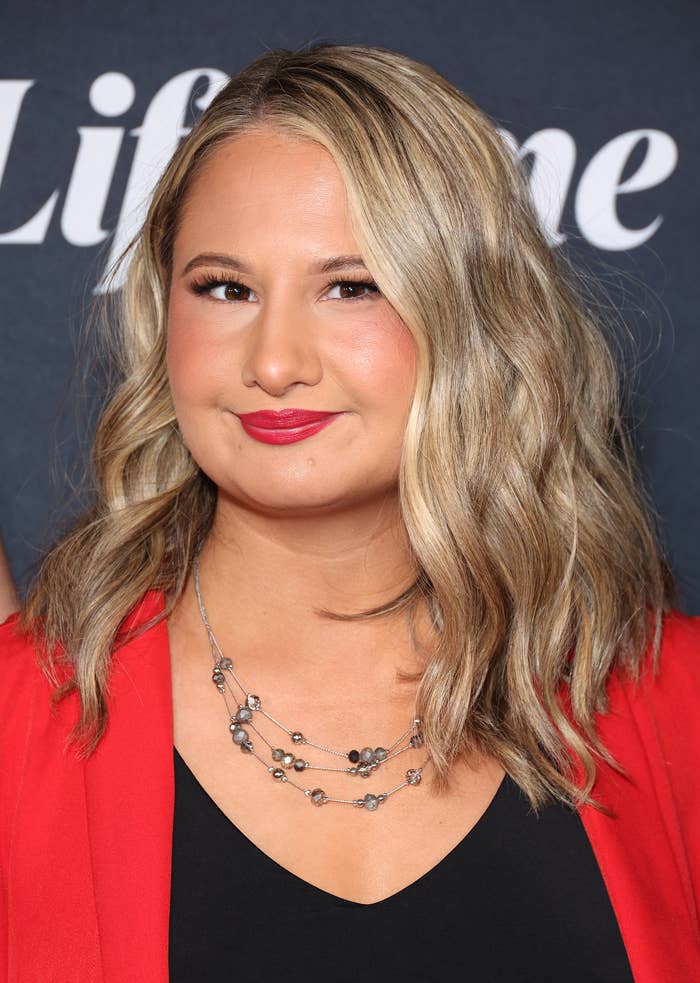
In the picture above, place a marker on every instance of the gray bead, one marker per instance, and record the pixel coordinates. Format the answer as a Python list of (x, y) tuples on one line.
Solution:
[(413, 776), (367, 755), (217, 677), (380, 753), (300, 764), (288, 760), (417, 740), (318, 797), (244, 715), (278, 773), (247, 746), (225, 663), (277, 754), (297, 737), (240, 735), (371, 802), (252, 701)]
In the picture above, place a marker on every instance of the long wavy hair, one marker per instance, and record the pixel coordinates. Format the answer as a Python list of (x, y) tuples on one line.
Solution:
[(537, 549)]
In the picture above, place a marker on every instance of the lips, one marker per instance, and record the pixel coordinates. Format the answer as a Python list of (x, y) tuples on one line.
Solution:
[(284, 426), (283, 419)]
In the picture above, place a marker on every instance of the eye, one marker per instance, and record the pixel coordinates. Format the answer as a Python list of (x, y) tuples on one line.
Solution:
[(230, 291), (223, 290), (353, 289)]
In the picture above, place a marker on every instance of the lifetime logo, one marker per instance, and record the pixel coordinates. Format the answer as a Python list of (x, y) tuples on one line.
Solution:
[(551, 154)]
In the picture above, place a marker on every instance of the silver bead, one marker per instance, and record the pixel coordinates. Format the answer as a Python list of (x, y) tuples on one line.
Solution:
[(252, 701), (244, 715), (300, 764), (247, 746), (367, 755), (240, 735), (371, 802), (381, 753), (413, 776), (364, 771), (288, 760), (297, 737), (318, 797), (277, 773)]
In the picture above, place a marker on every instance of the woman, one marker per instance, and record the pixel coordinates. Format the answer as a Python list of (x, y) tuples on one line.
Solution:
[(363, 492)]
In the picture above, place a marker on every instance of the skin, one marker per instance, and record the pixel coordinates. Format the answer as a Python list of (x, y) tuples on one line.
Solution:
[(9, 601), (302, 526)]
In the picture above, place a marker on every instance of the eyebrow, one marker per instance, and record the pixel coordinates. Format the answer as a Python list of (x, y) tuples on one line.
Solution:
[(329, 265)]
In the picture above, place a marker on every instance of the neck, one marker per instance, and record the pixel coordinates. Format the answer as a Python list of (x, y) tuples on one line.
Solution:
[(266, 579), (345, 561)]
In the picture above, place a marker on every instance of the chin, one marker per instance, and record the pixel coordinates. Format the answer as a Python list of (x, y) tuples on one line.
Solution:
[(290, 501)]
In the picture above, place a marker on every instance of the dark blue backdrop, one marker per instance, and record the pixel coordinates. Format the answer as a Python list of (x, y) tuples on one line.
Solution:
[(603, 96)]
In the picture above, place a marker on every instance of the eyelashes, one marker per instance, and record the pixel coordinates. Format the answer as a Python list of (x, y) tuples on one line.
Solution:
[(207, 283)]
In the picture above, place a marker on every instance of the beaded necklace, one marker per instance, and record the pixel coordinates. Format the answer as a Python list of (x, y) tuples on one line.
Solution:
[(363, 763)]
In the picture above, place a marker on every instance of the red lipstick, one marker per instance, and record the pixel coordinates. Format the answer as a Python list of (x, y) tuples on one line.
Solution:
[(284, 426)]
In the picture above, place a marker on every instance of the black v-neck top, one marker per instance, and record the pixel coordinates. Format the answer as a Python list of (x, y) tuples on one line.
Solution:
[(519, 899)]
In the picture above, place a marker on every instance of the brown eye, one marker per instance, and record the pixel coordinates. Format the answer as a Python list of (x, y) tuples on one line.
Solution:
[(235, 291), (352, 289)]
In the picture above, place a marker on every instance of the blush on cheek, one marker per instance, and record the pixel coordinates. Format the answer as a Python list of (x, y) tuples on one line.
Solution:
[(190, 358), (389, 358), (176, 360)]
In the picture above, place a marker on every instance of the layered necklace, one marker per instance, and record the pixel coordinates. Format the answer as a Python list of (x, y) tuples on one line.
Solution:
[(362, 763)]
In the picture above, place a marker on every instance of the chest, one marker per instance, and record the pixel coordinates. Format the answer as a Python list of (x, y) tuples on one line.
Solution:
[(353, 853), (501, 881)]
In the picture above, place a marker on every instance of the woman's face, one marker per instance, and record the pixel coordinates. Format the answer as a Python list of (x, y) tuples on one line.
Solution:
[(256, 324)]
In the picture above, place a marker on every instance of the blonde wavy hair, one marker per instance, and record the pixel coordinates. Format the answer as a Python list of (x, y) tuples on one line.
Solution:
[(536, 547)]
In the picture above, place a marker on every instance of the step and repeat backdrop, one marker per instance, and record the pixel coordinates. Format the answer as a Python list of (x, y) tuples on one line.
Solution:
[(600, 101)]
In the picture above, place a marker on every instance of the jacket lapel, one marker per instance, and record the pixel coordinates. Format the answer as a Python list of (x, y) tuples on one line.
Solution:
[(52, 919), (129, 784), (640, 849)]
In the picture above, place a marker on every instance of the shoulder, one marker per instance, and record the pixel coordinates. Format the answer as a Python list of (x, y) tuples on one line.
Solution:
[(667, 688), (24, 689), (20, 669), (655, 719), (24, 682), (670, 684)]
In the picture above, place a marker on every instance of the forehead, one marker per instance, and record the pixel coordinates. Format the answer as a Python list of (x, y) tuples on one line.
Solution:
[(268, 183)]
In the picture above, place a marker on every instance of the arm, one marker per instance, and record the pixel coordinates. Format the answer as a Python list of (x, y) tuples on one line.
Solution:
[(9, 601)]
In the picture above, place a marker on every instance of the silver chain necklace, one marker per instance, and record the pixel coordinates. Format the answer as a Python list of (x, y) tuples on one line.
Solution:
[(363, 763)]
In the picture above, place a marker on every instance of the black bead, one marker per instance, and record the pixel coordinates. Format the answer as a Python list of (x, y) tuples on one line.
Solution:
[(354, 756)]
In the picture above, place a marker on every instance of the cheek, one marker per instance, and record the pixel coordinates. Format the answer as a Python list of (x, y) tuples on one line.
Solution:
[(192, 355), (383, 360)]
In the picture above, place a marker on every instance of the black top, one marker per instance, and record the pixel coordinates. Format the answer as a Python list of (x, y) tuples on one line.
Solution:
[(520, 898)]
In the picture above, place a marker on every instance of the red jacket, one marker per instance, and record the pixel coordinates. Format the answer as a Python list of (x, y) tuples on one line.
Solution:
[(85, 845)]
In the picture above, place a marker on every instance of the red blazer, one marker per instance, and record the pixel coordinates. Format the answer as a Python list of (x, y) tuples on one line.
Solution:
[(85, 845)]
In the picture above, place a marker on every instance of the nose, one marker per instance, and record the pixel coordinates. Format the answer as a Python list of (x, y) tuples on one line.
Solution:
[(281, 350)]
